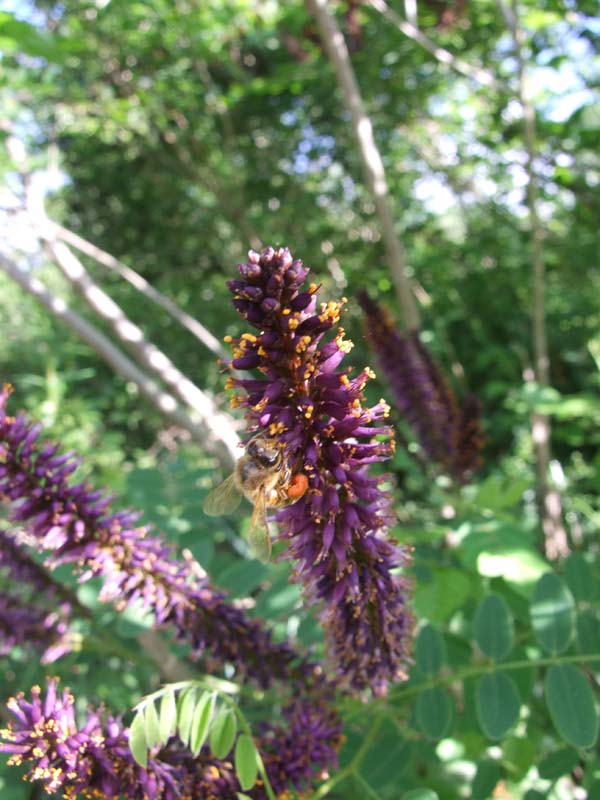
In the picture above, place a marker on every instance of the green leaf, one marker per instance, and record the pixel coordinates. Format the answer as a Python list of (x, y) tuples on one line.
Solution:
[(486, 779), (222, 732), (444, 593), (420, 794), (430, 650), (497, 703), (201, 721), (17, 35), (518, 756), (588, 632), (594, 791), (137, 740), (242, 796), (185, 713), (496, 492), (167, 716), (434, 710), (502, 549), (246, 761), (493, 627), (558, 763), (580, 579), (152, 725), (387, 757), (552, 613), (572, 705)]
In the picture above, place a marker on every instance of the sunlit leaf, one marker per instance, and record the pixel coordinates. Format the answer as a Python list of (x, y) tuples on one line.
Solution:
[(185, 713), (167, 716), (246, 761), (152, 725), (137, 740), (201, 721), (223, 732)]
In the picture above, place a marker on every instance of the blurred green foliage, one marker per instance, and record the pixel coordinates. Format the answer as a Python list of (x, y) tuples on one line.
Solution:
[(191, 131)]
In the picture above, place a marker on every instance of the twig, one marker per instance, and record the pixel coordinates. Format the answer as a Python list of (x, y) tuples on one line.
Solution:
[(145, 352), (141, 284), (555, 537), (444, 56), (128, 370), (336, 49)]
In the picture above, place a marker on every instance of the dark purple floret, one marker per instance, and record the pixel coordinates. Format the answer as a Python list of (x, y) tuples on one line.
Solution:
[(302, 748), (337, 531), (75, 524), (30, 627), (35, 611), (449, 434), (93, 760)]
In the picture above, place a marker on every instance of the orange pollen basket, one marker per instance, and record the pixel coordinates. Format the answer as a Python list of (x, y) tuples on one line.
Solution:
[(297, 486)]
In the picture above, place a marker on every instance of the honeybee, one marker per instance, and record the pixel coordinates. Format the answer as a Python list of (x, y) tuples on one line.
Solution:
[(264, 477)]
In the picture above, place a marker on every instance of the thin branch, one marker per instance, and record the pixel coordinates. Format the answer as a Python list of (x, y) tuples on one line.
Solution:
[(163, 401), (555, 537), (336, 49), (141, 284), (146, 353), (444, 56)]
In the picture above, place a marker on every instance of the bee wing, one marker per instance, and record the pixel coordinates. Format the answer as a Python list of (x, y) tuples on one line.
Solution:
[(223, 499), (258, 533)]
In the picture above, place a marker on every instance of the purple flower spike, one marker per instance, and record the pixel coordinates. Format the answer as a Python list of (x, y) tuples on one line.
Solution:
[(37, 611), (93, 759), (337, 531), (449, 434), (75, 524), (88, 761)]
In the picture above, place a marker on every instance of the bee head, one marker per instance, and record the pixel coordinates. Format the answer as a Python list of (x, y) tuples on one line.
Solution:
[(263, 451)]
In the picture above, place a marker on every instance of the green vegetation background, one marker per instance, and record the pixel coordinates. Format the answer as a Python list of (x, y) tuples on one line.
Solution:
[(188, 132)]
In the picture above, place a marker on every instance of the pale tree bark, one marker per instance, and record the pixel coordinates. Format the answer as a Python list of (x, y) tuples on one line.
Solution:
[(337, 52), (549, 501), (194, 326), (145, 353), (205, 431)]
